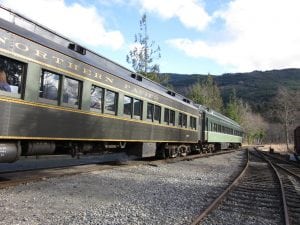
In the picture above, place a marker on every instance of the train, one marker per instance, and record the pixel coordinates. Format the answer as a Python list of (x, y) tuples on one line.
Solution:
[(297, 140), (58, 97)]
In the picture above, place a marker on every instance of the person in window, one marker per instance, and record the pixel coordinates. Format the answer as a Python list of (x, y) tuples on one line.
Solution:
[(4, 86)]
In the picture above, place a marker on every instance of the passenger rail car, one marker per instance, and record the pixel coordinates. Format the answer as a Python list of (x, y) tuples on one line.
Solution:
[(57, 96)]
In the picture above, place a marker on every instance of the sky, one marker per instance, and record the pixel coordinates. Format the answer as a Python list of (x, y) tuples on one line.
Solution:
[(195, 36)]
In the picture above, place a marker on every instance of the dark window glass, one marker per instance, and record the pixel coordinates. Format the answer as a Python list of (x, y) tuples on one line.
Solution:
[(167, 116), (137, 108), (157, 113), (11, 75), (70, 92), (184, 120), (193, 122), (111, 101), (49, 84), (172, 117), (150, 109), (127, 106), (97, 98), (180, 119)]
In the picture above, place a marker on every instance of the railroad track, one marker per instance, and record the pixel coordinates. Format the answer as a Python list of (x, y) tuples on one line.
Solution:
[(290, 175), (259, 195), (14, 178)]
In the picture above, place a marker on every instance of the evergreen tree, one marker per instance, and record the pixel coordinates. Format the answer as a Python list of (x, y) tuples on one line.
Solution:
[(207, 93), (233, 110), (144, 53)]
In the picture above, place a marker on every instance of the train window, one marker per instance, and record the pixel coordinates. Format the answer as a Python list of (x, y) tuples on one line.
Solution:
[(111, 102), (157, 113), (12, 74), (49, 85), (127, 106), (137, 108), (71, 92), (97, 98), (167, 116), (184, 120), (150, 111), (172, 117), (193, 122), (180, 119)]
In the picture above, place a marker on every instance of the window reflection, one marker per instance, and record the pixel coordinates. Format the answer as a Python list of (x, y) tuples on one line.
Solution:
[(157, 113), (111, 101), (11, 75), (70, 91), (150, 109), (138, 107), (96, 98), (49, 84), (127, 106)]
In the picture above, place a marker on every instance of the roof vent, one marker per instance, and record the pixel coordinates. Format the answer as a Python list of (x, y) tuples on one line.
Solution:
[(77, 48), (171, 93), (186, 100), (137, 77)]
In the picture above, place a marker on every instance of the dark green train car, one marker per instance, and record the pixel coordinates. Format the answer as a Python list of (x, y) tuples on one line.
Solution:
[(56, 95)]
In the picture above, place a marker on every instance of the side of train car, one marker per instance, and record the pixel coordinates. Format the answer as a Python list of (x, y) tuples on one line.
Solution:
[(220, 131), (62, 97), (297, 140)]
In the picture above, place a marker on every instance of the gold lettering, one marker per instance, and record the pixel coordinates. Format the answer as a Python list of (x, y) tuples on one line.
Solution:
[(87, 71), (98, 75), (72, 66), (107, 79), (40, 54), (3, 40), (22, 47), (58, 60)]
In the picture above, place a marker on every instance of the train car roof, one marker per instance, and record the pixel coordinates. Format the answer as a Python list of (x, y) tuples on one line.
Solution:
[(218, 115), (50, 38)]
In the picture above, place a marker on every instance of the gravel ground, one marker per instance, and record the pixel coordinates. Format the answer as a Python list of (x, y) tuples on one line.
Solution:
[(162, 194)]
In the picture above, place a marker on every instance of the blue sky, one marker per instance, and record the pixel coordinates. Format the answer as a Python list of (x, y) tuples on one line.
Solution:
[(195, 36)]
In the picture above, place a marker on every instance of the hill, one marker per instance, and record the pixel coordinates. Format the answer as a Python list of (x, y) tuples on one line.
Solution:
[(258, 88)]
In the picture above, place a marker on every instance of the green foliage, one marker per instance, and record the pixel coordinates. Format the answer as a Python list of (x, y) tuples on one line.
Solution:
[(258, 89), (234, 108), (206, 93), (144, 53)]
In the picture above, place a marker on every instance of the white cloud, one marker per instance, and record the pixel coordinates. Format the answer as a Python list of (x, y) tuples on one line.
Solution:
[(190, 12), (264, 33), (75, 21)]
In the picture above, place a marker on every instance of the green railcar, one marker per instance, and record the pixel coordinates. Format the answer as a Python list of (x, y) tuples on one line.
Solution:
[(219, 131)]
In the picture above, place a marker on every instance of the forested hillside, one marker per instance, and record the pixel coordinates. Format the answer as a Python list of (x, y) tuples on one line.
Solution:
[(257, 88)]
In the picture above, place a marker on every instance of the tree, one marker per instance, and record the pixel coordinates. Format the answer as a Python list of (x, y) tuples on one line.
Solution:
[(144, 53), (206, 93), (285, 111), (234, 107)]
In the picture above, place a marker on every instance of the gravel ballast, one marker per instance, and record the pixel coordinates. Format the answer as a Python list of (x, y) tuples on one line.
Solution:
[(147, 194)]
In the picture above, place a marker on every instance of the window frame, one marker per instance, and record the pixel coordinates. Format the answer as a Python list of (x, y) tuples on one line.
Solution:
[(79, 96), (140, 116), (102, 99), (105, 110), (20, 94)]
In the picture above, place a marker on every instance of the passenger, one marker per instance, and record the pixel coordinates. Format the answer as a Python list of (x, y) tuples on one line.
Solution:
[(4, 86)]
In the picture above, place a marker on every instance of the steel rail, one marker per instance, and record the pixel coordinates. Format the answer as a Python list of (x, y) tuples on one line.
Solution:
[(281, 167), (285, 208), (218, 200), (282, 160)]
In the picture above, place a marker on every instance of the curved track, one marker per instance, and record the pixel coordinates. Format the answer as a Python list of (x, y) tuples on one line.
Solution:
[(255, 197)]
